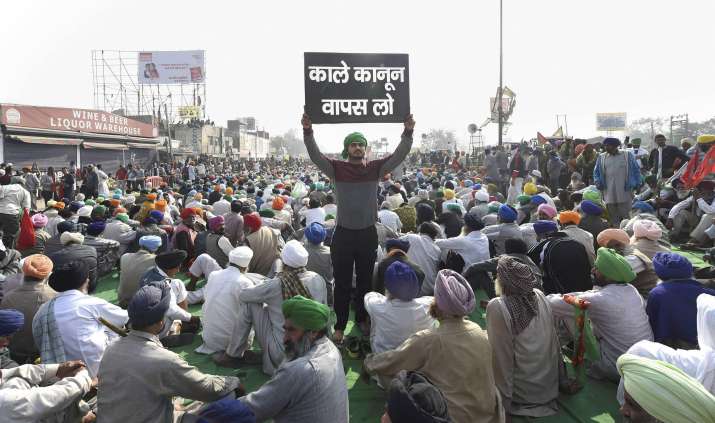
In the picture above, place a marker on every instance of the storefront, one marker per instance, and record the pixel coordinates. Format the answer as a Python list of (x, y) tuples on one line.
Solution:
[(52, 136)]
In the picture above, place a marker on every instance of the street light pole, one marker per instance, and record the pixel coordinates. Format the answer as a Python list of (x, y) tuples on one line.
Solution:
[(501, 60)]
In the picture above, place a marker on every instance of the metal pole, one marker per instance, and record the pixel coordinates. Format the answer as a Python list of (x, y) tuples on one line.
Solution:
[(499, 97)]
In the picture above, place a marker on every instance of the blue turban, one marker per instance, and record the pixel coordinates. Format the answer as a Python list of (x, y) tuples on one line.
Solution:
[(545, 226), (401, 281), (117, 196), (477, 187), (156, 215), (149, 304), (66, 226), (506, 213), (468, 183), (538, 200), (150, 242), (11, 321), (75, 205), (227, 410), (672, 266), (315, 233), (192, 193), (397, 243), (612, 141), (95, 228), (591, 208), (643, 207)]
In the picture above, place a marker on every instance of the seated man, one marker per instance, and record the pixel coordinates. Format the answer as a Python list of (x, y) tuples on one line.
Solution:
[(67, 327), (267, 321), (318, 254), (505, 229), (139, 377), (646, 238), (694, 214), (471, 246), (671, 306), (11, 321), (107, 249), (425, 253), (642, 266), (222, 303), (526, 355), (412, 398), (132, 267), (27, 298), (310, 383), (455, 356), (396, 251), (592, 220), (120, 231), (39, 221), (658, 392), (73, 251), (265, 242), (401, 313), (642, 211), (569, 221), (218, 245), (617, 312)]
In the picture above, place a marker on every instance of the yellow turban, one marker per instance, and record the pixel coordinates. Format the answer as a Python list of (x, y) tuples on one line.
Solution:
[(530, 188), (449, 194), (706, 139), (664, 391)]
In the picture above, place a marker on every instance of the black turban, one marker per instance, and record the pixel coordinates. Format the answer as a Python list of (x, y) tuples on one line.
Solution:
[(149, 304), (171, 259), (412, 398)]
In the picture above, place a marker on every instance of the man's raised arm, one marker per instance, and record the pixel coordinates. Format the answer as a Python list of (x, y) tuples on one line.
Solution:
[(403, 148), (313, 151)]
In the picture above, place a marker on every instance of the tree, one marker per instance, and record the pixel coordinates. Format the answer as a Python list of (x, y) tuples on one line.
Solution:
[(441, 139), (290, 142), (647, 128)]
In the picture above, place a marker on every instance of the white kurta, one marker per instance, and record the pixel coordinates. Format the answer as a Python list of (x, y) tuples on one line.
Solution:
[(424, 253), (393, 321), (473, 247)]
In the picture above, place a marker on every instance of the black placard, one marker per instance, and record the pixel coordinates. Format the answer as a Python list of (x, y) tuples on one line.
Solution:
[(355, 87)]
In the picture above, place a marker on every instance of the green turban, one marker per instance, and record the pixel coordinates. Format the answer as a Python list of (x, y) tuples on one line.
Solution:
[(122, 217), (329, 217), (439, 194), (592, 195), (99, 211), (664, 391), (306, 314), (89, 202), (267, 213), (523, 199), (636, 141), (351, 138), (228, 198), (613, 266)]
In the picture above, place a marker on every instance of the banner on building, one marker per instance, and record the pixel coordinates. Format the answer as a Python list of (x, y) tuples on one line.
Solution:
[(189, 112), (81, 120), (171, 67), (611, 122), (355, 88)]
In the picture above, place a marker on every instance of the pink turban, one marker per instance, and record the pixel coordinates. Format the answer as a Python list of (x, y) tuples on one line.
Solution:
[(453, 294), (215, 222), (39, 220), (547, 209), (647, 229)]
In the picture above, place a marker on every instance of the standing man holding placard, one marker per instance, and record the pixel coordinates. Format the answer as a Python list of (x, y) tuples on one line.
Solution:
[(355, 239)]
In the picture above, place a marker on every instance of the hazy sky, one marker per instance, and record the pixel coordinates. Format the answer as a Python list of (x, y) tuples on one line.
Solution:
[(573, 57)]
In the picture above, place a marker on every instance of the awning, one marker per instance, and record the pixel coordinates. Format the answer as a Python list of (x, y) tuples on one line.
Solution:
[(48, 141), (140, 145), (105, 146)]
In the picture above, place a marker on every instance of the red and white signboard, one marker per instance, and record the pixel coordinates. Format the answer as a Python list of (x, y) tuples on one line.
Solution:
[(82, 120)]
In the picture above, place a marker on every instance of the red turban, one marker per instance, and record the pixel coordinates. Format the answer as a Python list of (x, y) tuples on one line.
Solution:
[(187, 212), (253, 221)]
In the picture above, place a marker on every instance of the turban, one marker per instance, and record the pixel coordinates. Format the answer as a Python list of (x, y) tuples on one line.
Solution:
[(156, 215), (187, 212), (592, 195), (351, 138), (329, 217), (51, 203), (11, 321), (636, 142), (664, 391), (315, 233), (494, 206), (229, 191), (454, 207), (39, 220), (412, 398), (547, 209), (267, 213), (507, 213), (613, 266), (538, 200), (90, 202), (439, 194), (149, 304), (669, 265), (401, 281), (68, 276), (468, 183), (305, 313), (706, 139), (481, 196), (294, 254), (400, 244), (117, 196), (425, 212), (612, 141), (228, 198), (170, 259), (449, 194), (68, 237), (85, 211), (160, 205), (643, 207), (215, 222), (122, 217), (99, 211), (37, 266), (278, 203), (453, 294), (130, 199), (579, 148), (612, 234), (95, 228), (591, 208), (645, 228), (115, 203), (518, 282), (545, 227), (150, 242), (226, 410), (530, 188), (60, 205), (240, 256), (566, 217), (473, 222), (523, 199), (100, 199), (253, 221)]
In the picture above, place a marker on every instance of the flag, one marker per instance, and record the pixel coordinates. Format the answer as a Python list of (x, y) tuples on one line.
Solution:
[(697, 169), (542, 139), (559, 133), (508, 93)]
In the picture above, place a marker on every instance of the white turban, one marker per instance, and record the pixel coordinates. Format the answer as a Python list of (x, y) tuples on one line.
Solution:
[(240, 256), (644, 228), (68, 237), (294, 254), (84, 211), (481, 196)]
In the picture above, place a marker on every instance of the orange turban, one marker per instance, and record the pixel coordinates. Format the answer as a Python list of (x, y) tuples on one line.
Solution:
[(151, 196), (115, 203), (59, 205), (160, 205), (569, 216), (278, 203), (609, 235), (37, 266)]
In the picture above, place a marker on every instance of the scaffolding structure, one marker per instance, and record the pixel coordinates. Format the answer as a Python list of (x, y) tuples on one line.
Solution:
[(117, 90), (678, 128)]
